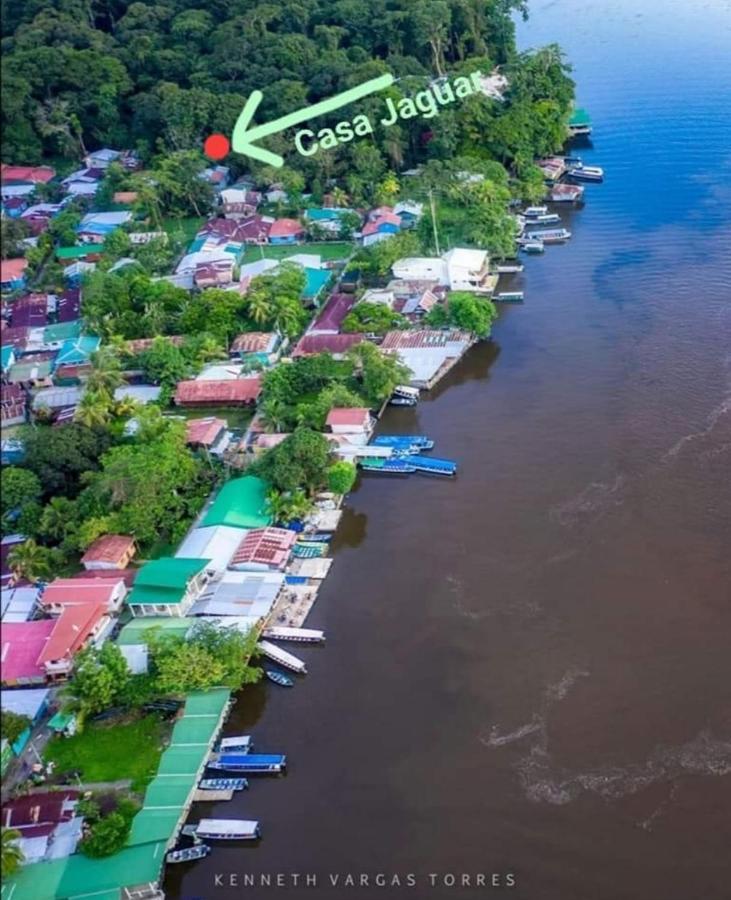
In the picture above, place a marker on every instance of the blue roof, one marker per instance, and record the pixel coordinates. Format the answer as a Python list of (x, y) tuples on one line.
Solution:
[(315, 281), (325, 215), (256, 759), (78, 350), (96, 228), (8, 355), (196, 244)]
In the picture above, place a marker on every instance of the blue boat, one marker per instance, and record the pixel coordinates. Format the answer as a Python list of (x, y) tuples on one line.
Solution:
[(223, 784), (253, 763), (431, 465), (323, 536), (279, 678), (419, 441), (388, 466)]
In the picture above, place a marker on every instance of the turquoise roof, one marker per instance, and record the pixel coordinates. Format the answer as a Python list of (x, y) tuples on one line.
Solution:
[(78, 351), (315, 281), (325, 215), (8, 357)]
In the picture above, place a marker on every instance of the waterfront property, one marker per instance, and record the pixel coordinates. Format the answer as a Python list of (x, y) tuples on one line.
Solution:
[(429, 354), (167, 586)]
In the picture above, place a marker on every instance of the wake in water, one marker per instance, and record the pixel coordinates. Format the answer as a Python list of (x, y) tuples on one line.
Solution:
[(714, 417), (591, 504)]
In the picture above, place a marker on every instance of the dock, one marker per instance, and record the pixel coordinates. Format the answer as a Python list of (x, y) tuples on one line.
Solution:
[(283, 657), (212, 796)]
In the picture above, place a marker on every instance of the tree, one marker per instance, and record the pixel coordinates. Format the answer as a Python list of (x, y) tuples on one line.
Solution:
[(12, 856), (106, 836), (467, 311), (288, 506), (100, 676), (379, 373), (299, 462), (373, 318), (30, 561), (106, 373), (13, 725), (164, 363), (341, 477), (19, 487), (60, 456)]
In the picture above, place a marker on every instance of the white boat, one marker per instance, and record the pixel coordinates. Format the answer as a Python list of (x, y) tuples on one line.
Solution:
[(548, 219), (187, 854), (509, 268), (304, 635), (405, 390), (534, 211), (510, 297), (551, 235), (241, 742), (586, 173), (223, 784), (283, 657), (225, 829), (532, 246)]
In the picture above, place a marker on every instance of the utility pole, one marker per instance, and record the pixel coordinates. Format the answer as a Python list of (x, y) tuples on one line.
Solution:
[(434, 221)]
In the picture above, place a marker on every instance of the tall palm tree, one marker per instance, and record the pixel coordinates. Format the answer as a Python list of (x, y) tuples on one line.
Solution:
[(259, 304), (29, 560), (12, 856), (93, 411), (339, 197), (106, 372)]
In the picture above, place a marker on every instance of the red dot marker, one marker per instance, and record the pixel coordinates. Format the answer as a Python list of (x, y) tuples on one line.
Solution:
[(216, 146)]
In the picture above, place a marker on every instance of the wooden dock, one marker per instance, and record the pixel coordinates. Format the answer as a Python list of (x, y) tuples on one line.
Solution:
[(293, 605), (211, 796)]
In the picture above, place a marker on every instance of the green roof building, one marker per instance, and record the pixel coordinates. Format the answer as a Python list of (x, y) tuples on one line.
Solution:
[(240, 503), (167, 586), (580, 122)]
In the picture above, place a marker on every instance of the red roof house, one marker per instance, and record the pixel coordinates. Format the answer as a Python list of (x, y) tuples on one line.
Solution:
[(263, 548), (231, 392), (36, 174), (38, 815), (286, 231), (354, 420), (110, 551), (337, 344), (71, 631), (333, 313), (22, 645), (204, 432)]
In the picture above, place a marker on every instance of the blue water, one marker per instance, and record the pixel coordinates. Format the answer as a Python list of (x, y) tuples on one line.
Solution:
[(528, 667)]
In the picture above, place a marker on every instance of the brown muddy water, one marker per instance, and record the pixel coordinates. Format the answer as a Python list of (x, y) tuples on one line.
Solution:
[(528, 668)]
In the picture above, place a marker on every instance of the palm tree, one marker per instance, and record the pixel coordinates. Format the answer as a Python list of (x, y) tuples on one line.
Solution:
[(56, 518), (94, 410), (259, 304), (12, 856), (125, 408), (106, 373), (274, 414), (339, 197), (29, 560)]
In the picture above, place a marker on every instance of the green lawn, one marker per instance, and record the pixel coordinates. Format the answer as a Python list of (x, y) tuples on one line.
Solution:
[(326, 249), (111, 752), (188, 227)]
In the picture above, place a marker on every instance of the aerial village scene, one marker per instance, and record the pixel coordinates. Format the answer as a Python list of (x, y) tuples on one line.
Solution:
[(197, 354)]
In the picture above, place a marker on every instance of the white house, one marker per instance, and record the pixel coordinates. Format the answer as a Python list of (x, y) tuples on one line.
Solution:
[(458, 269)]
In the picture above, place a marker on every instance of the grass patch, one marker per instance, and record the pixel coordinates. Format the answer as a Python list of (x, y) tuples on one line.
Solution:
[(184, 229), (111, 752), (326, 249)]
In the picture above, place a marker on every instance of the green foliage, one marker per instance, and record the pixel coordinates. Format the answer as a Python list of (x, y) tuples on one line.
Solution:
[(13, 725), (467, 311), (100, 678), (61, 456), (373, 318), (12, 856), (377, 259), (19, 488), (273, 300), (288, 506), (378, 373), (313, 413), (299, 462), (210, 657), (12, 232), (31, 561), (341, 477), (106, 836)]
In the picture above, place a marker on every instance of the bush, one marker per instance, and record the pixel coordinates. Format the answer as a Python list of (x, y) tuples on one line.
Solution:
[(106, 836), (341, 477)]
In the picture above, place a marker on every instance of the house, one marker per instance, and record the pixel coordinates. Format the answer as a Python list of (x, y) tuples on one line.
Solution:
[(110, 551), (330, 318), (409, 212), (53, 398), (380, 228), (15, 206), (218, 176), (459, 269), (33, 370), (241, 502), (137, 238), (95, 227), (76, 626), (254, 229), (264, 441), (127, 198), (215, 544), (167, 586), (109, 592), (140, 345), (263, 549), (335, 344), (553, 167), (260, 346), (352, 420), (328, 218), (77, 351), (17, 338), (19, 603), (48, 825), (316, 280), (138, 393), (215, 273), (580, 122), (102, 159), (249, 596), (211, 434), (31, 310), (419, 304), (29, 702), (13, 405), (286, 231), (32, 174), (379, 295), (231, 392), (429, 353), (12, 274), (566, 193), (22, 645)]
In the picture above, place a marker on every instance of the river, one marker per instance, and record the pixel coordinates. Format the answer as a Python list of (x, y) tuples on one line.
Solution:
[(528, 669)]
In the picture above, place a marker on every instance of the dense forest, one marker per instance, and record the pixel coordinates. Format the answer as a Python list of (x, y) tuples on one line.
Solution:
[(79, 74)]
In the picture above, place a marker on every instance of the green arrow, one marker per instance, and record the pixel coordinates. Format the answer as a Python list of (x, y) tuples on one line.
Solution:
[(243, 136)]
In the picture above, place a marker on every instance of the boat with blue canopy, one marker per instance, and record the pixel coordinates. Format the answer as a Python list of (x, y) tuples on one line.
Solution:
[(251, 763)]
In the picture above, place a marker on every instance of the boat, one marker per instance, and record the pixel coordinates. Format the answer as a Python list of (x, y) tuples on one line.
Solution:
[(323, 536), (533, 211), (566, 193), (387, 466), (402, 401), (548, 219), (302, 635), (509, 297), (251, 763), (279, 678), (400, 441), (309, 549), (431, 465), (551, 236), (223, 784), (532, 247), (225, 829), (283, 657), (586, 173), (405, 390), (241, 742), (187, 854), (510, 268)]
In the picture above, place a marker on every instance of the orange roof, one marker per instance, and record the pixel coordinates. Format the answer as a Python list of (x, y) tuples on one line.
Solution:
[(357, 415), (79, 591), (253, 342), (204, 431), (265, 547), (285, 228), (125, 196), (234, 390), (109, 548), (12, 269), (72, 630), (27, 173)]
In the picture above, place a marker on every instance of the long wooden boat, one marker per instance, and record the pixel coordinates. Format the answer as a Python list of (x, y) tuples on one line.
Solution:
[(551, 236), (240, 743), (251, 763), (225, 829), (223, 784), (279, 678), (509, 297), (302, 635), (188, 854)]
